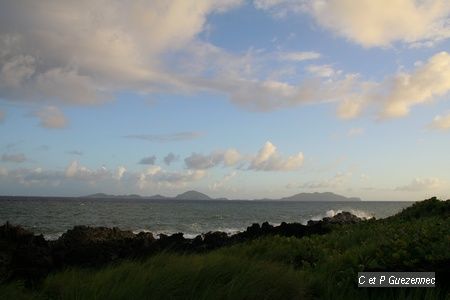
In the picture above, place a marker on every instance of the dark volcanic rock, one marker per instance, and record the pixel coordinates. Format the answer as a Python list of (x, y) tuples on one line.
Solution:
[(341, 218), (216, 239), (23, 254), (86, 234), (175, 241), (90, 246)]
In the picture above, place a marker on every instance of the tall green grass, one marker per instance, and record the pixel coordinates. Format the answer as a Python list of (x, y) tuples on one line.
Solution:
[(170, 276)]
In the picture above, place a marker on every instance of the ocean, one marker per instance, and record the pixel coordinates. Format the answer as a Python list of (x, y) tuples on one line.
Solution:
[(53, 216)]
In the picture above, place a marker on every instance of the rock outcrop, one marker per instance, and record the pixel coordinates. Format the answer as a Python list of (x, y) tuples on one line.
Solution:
[(23, 254), (31, 257), (340, 218)]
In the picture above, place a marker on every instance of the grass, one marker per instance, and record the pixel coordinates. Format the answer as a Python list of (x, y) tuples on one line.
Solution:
[(315, 267), (171, 276)]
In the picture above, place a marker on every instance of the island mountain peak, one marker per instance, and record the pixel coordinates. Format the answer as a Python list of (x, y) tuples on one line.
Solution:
[(192, 195), (316, 196)]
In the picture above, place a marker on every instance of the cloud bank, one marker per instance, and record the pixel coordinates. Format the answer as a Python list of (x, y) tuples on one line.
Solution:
[(373, 23)]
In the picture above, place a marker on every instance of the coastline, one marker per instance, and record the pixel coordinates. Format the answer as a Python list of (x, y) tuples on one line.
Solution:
[(415, 239)]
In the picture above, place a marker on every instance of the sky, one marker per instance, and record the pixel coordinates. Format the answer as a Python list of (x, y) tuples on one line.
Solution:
[(233, 98)]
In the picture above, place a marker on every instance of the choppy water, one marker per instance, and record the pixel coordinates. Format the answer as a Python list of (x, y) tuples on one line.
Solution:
[(53, 216)]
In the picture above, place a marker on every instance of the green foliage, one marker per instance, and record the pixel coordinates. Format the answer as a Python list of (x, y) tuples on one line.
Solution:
[(426, 208), (314, 267)]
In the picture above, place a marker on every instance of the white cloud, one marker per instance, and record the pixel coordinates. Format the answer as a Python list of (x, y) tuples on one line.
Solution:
[(14, 157), (99, 50), (351, 107), (352, 94), (268, 159), (51, 117), (79, 172), (220, 183), (379, 23), (198, 161), (231, 157), (441, 122), (155, 176), (421, 184), (75, 173), (321, 70), (281, 8), (119, 173), (428, 81), (398, 94), (269, 95), (374, 23), (82, 53), (299, 56)]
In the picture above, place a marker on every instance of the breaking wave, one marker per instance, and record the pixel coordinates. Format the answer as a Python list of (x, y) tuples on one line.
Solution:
[(331, 213)]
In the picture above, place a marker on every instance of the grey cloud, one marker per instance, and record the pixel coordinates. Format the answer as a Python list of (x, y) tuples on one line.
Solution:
[(198, 161), (36, 176), (170, 158), (39, 175), (76, 173), (149, 160), (17, 157)]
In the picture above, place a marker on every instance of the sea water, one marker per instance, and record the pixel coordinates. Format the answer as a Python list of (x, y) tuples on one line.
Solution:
[(53, 216)]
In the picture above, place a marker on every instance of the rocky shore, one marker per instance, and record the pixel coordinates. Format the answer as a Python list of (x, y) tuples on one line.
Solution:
[(30, 257)]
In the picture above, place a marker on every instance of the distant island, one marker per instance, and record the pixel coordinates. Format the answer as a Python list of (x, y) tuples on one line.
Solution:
[(194, 195), (189, 195), (327, 196)]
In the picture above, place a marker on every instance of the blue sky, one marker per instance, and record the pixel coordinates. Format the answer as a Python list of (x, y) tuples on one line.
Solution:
[(237, 99)]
